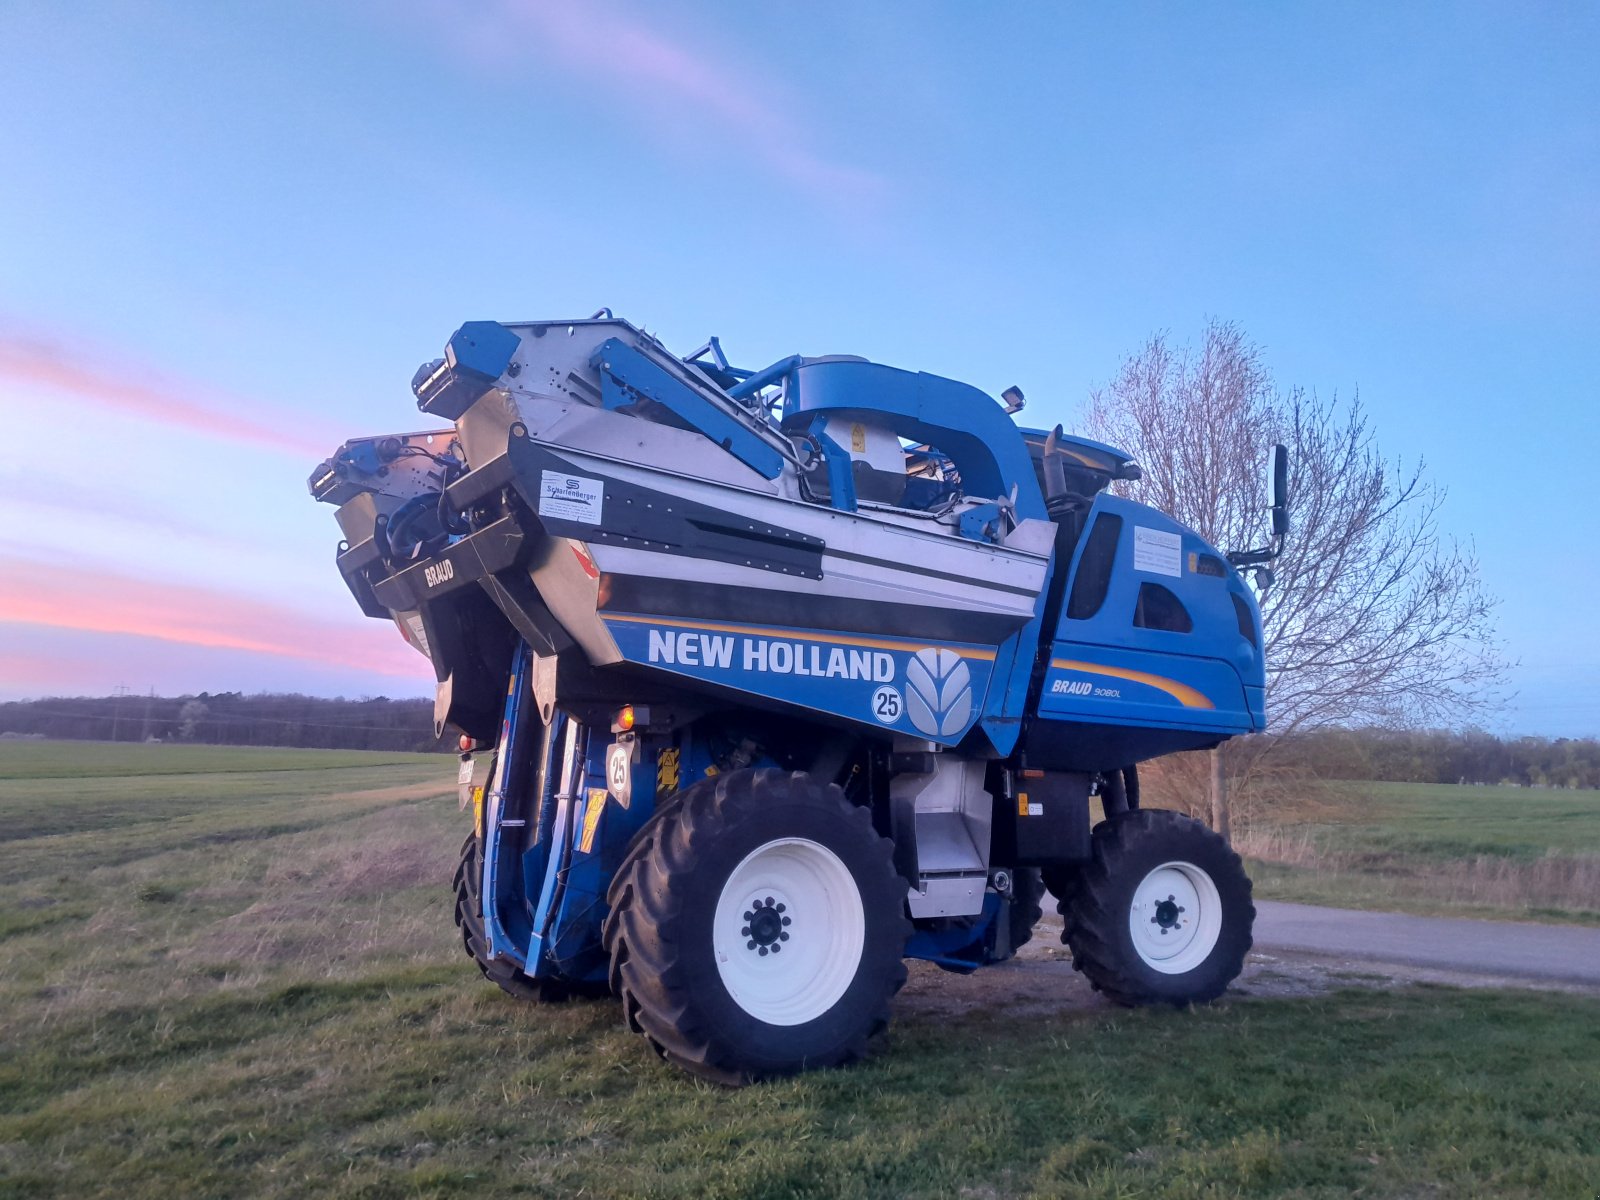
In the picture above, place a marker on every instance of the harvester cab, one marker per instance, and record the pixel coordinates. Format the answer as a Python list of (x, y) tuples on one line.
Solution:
[(773, 679)]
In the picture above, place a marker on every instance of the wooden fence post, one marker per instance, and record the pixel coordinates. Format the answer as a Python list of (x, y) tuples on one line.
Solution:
[(1219, 796)]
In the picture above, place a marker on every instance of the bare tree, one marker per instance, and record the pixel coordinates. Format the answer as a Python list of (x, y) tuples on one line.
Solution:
[(1374, 615), (190, 716)]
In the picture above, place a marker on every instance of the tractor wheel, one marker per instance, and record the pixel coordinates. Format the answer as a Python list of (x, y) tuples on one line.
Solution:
[(1161, 914), (758, 930), (1027, 889), (469, 920), (621, 889)]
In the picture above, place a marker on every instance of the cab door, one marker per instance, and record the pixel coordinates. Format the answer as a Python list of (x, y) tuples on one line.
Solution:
[(1156, 629)]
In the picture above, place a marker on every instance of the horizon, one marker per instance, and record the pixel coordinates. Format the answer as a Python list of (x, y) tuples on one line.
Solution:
[(234, 235), (134, 696)]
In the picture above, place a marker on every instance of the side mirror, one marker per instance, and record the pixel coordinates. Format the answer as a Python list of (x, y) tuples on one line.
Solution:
[(1280, 490), (1280, 523)]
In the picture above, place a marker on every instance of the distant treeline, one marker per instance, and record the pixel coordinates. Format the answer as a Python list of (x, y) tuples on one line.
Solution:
[(1440, 756), (379, 723), (229, 718)]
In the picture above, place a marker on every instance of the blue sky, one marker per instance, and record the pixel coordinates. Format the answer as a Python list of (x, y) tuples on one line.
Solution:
[(229, 233)]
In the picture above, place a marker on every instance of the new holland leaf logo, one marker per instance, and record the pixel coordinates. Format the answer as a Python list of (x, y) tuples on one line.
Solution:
[(938, 692)]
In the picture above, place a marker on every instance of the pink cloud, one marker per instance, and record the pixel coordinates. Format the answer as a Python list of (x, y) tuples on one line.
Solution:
[(131, 388), (638, 62), (35, 661), (98, 601)]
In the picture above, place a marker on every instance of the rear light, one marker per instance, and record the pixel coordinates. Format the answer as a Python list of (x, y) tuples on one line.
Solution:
[(467, 744), (630, 717)]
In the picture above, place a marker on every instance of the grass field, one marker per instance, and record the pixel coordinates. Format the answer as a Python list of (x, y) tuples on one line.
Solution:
[(1521, 853), (233, 974)]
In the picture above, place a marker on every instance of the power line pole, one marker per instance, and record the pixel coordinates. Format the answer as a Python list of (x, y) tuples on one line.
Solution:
[(120, 691), (149, 703)]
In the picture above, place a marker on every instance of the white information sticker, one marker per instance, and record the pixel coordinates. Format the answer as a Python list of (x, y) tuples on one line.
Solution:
[(1157, 552), (571, 497)]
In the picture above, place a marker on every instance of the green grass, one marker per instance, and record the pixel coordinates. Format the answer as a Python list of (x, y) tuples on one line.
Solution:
[(1436, 848), (25, 760), (286, 1012), (1446, 821)]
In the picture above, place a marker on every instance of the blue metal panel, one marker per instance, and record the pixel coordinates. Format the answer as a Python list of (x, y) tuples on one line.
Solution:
[(958, 419), (601, 831), (1007, 701), (979, 523), (765, 377), (1117, 686), (841, 484), (483, 347), (932, 691), (959, 946), (475, 357), (504, 918), (557, 847), (1106, 669), (626, 375)]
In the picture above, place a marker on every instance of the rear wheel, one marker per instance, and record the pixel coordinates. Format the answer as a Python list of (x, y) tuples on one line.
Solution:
[(759, 931), (1027, 890), (1162, 912), (469, 920)]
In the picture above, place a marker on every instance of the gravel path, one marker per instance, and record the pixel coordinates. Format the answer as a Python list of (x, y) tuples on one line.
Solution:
[(1506, 949)]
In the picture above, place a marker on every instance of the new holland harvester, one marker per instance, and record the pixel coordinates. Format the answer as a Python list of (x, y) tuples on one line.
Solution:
[(768, 681)]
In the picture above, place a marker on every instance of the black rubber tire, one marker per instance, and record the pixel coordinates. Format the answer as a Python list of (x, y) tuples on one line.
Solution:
[(663, 903), (1099, 897), (1027, 890), (643, 843), (469, 920)]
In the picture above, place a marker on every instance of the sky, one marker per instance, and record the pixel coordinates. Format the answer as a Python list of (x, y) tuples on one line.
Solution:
[(229, 233)]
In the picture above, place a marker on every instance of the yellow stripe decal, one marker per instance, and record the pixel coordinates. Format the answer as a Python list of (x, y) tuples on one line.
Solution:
[(1181, 692), (841, 639)]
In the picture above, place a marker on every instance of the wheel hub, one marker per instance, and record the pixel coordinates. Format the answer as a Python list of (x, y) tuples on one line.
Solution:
[(1166, 915), (769, 973), (764, 926), (1175, 919)]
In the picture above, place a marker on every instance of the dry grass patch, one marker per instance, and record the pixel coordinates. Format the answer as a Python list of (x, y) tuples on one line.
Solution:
[(1498, 852), (267, 874)]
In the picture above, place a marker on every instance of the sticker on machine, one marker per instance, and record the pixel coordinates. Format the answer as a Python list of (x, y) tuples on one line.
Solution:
[(571, 497), (418, 633), (1157, 552)]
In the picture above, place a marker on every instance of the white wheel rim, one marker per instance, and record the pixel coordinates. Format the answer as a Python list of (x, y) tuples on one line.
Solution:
[(798, 896), (1176, 918)]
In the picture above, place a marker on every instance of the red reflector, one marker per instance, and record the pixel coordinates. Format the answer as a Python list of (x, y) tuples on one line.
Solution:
[(587, 563), (467, 744)]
